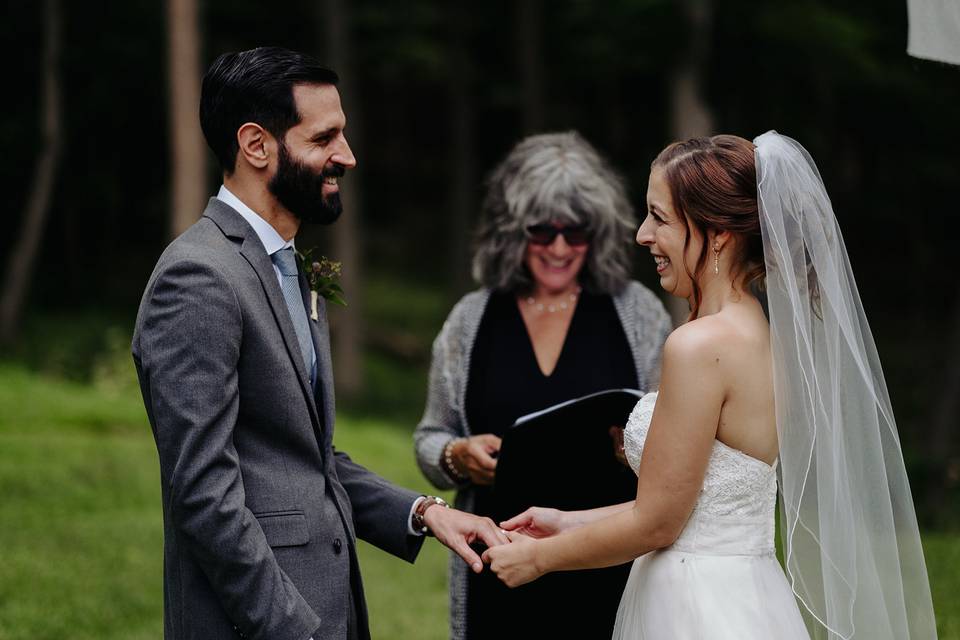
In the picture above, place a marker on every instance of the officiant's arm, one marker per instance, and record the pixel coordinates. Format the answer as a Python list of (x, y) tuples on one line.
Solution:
[(672, 469), (447, 454), (440, 423)]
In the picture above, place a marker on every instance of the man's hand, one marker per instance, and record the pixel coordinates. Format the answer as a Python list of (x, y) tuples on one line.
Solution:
[(474, 457), (515, 563), (539, 522), (458, 530)]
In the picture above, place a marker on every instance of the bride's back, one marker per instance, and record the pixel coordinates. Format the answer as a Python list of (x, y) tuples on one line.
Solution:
[(747, 416)]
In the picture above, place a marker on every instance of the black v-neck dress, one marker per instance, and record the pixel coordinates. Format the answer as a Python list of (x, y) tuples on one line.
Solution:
[(505, 382)]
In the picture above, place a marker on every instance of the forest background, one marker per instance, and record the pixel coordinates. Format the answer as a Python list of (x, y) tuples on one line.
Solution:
[(105, 163)]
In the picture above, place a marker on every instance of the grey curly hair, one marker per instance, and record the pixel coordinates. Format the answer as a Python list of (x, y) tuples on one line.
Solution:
[(554, 177)]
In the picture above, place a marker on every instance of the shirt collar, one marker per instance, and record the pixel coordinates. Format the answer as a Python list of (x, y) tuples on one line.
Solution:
[(271, 240)]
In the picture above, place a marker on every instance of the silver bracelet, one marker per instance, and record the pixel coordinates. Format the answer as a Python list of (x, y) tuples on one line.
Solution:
[(450, 468)]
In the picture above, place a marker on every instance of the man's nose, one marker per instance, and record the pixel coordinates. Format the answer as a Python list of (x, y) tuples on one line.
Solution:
[(344, 155)]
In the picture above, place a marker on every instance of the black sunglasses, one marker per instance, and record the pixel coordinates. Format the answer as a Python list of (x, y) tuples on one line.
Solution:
[(545, 234)]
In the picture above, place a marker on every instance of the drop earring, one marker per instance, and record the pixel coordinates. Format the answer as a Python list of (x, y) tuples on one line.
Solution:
[(716, 259)]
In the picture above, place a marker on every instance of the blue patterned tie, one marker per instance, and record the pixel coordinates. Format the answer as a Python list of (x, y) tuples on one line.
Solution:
[(290, 286)]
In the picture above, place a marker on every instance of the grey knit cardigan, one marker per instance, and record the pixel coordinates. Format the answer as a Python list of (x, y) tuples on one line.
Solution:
[(646, 325)]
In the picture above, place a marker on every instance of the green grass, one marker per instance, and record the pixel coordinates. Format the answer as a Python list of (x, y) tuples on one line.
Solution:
[(942, 552), (80, 528), (81, 535), (405, 601)]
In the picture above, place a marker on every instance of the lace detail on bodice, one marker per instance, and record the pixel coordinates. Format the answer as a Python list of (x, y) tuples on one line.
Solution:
[(737, 489)]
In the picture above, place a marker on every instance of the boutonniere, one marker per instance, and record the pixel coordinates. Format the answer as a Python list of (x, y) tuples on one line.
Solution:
[(322, 276)]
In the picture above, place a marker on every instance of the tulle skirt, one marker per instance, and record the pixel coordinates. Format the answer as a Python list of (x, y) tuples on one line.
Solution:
[(679, 595)]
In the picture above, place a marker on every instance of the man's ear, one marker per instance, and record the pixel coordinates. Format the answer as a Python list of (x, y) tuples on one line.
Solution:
[(256, 145)]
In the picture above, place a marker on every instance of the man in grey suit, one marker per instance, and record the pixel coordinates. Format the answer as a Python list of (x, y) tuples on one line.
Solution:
[(260, 512)]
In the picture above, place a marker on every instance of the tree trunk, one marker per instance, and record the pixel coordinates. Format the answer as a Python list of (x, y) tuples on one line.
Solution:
[(348, 325), (23, 256), (942, 454), (187, 152), (462, 149), (690, 115), (530, 59)]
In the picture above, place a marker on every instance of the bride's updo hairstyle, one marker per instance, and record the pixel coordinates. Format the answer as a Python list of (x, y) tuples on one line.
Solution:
[(713, 183)]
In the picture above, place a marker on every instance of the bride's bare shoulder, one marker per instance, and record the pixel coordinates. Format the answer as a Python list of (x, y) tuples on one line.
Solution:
[(713, 339), (692, 347), (702, 334)]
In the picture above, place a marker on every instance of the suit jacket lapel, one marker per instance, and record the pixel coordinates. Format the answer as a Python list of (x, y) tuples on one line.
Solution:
[(233, 225), (320, 331)]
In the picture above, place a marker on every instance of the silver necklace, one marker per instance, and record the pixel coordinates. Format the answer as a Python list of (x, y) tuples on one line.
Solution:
[(554, 307)]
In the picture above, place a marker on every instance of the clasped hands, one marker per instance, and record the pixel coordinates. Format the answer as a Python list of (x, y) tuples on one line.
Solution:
[(518, 563), (511, 548), (514, 556)]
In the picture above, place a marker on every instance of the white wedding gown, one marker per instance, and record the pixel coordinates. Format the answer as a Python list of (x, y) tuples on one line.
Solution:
[(721, 579)]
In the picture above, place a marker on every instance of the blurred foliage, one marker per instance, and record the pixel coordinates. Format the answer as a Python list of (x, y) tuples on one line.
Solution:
[(92, 347), (831, 74), (82, 345), (91, 350)]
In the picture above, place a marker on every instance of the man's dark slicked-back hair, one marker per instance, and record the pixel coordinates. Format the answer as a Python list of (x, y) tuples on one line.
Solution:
[(254, 86)]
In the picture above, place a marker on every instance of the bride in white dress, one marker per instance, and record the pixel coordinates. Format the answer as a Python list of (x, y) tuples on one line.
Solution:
[(744, 400)]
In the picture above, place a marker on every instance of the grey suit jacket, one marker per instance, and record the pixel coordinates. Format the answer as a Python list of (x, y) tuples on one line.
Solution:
[(260, 512)]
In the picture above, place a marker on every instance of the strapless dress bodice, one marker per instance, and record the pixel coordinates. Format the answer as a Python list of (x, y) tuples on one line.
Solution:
[(734, 513)]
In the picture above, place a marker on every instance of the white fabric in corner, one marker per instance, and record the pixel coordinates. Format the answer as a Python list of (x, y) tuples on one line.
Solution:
[(934, 30)]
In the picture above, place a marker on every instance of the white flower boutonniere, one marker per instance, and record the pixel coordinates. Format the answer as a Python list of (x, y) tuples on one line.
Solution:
[(322, 276)]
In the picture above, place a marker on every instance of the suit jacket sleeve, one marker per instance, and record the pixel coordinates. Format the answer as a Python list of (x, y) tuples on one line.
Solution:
[(381, 510), (189, 345)]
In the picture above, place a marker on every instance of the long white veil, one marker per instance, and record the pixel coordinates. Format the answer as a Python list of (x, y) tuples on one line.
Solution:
[(851, 543)]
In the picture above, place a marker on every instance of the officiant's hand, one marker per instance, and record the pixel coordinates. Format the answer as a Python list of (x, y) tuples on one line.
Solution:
[(538, 522), (514, 563), (475, 457), (616, 434), (458, 530)]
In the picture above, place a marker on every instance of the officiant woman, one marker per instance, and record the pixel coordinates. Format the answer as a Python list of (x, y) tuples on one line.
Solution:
[(557, 317)]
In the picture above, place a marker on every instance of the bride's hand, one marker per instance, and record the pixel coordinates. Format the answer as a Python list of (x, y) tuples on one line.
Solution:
[(514, 563), (538, 522)]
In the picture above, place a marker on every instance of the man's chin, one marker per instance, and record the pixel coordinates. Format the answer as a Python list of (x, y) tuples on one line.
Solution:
[(326, 214), (326, 218), (317, 217)]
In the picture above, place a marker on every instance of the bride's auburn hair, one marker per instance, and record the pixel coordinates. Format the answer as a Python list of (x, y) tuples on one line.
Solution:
[(713, 184)]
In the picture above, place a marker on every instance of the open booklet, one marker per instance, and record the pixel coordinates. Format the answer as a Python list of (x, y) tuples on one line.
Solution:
[(563, 456), (610, 404)]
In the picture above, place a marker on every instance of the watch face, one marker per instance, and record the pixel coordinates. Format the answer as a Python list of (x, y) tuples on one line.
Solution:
[(426, 503)]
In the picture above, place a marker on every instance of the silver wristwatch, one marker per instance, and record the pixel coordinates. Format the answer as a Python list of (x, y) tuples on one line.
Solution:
[(417, 521)]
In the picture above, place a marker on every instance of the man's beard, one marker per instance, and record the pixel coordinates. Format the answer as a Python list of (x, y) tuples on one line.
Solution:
[(300, 190)]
